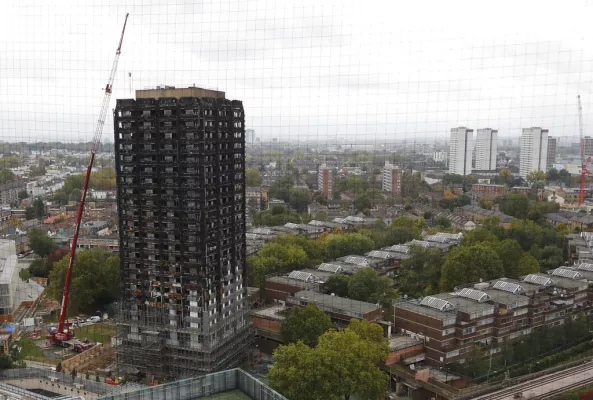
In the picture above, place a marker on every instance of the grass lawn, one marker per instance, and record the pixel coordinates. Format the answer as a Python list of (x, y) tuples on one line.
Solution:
[(232, 395), (29, 348), (100, 332)]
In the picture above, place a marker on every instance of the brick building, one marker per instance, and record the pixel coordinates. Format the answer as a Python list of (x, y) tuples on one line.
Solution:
[(489, 190), (491, 313)]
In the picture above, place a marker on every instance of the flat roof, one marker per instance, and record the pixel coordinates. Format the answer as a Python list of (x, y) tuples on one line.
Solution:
[(272, 312), (506, 298), (288, 281), (169, 91), (330, 302), (464, 305), (319, 274), (425, 310), (401, 342)]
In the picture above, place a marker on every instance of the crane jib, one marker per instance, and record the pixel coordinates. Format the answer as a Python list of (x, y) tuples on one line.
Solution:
[(63, 332)]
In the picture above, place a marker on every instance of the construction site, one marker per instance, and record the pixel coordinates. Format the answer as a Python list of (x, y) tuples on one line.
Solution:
[(180, 161)]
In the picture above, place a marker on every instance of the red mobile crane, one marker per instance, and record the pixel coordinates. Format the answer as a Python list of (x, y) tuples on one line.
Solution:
[(584, 162), (63, 332)]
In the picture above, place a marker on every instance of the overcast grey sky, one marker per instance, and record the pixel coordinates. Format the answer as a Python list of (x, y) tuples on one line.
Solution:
[(309, 69)]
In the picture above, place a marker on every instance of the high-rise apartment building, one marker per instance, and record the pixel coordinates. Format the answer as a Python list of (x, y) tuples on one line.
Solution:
[(486, 149), (325, 181), (534, 150), (180, 160), (588, 143), (551, 158), (392, 179), (460, 151)]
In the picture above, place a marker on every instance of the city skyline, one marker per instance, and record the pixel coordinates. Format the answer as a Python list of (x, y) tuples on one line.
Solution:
[(429, 79)]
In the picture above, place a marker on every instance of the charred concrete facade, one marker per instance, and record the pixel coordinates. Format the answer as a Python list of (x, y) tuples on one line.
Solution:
[(180, 160)]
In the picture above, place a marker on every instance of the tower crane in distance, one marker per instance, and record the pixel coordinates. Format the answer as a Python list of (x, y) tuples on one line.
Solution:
[(584, 162), (63, 331)]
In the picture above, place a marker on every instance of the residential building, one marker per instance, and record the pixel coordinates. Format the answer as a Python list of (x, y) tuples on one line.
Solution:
[(340, 309), (9, 192), (588, 143), (92, 243), (460, 151), (14, 291), (392, 179), (491, 313), (534, 151), (325, 181), (486, 149), (253, 198), (551, 159), (180, 162), (489, 189), (440, 156), (9, 278)]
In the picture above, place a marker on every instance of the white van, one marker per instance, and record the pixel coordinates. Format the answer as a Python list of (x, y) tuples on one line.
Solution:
[(93, 319)]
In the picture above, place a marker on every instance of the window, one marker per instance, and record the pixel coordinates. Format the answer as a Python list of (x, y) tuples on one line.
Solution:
[(448, 331), (469, 330), (521, 312), (452, 353), (485, 321)]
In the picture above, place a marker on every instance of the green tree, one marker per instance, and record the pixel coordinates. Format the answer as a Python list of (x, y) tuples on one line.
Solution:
[(549, 257), (101, 179), (38, 170), (252, 177), (527, 265), (6, 176), (421, 272), (367, 285), (38, 208), (297, 373), (5, 361), (341, 245), (466, 264), (369, 331), (552, 175), (95, 280), (342, 365), (280, 189), (510, 252), (337, 284), (39, 268), (24, 274), (479, 235), (362, 202), (443, 222), (514, 204), (536, 177), (23, 194), (40, 243), (298, 199), (305, 324), (527, 233)]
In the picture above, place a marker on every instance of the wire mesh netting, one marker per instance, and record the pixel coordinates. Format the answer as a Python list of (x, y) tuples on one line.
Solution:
[(258, 152)]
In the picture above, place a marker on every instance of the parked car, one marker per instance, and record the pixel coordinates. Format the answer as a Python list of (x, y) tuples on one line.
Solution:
[(93, 319)]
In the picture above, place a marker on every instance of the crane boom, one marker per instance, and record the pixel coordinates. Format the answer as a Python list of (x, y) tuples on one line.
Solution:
[(63, 332), (584, 162)]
